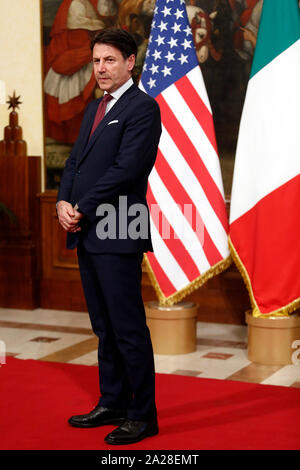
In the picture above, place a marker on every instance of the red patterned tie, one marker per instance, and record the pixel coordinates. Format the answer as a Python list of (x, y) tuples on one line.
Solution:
[(101, 111)]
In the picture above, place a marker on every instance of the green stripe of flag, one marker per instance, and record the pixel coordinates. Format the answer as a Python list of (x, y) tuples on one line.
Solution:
[(279, 28)]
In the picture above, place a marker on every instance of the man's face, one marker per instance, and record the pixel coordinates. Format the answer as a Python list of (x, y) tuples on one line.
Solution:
[(110, 68)]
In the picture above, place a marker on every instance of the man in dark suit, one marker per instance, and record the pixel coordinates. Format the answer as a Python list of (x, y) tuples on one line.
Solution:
[(102, 190)]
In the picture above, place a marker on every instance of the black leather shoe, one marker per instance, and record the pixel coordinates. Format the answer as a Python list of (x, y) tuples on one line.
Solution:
[(132, 431), (99, 416)]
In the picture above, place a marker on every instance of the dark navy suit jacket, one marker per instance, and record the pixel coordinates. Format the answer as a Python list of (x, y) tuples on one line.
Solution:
[(115, 161)]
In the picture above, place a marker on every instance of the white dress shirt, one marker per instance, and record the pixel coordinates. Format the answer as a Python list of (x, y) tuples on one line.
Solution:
[(118, 93)]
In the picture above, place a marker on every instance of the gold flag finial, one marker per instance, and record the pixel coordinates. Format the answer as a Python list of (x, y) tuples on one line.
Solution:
[(14, 101)]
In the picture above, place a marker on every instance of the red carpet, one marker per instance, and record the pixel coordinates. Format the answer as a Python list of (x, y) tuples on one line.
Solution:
[(36, 399)]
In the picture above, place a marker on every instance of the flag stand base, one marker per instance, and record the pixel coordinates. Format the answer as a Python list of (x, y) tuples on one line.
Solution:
[(273, 340), (173, 328)]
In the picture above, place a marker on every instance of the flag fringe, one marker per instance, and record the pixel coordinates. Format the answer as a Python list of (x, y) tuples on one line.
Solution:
[(194, 285), (281, 312)]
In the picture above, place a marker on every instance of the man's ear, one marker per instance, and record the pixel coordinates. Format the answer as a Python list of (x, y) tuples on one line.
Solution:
[(131, 62)]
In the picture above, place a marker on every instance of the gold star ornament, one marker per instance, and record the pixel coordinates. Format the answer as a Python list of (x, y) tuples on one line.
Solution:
[(14, 101)]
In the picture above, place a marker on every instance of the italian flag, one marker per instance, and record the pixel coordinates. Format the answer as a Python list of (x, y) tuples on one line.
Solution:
[(265, 201)]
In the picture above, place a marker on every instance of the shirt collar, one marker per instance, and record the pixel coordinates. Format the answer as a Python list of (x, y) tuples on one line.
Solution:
[(119, 92)]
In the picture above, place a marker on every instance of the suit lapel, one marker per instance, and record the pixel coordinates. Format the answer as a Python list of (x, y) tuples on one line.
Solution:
[(87, 126), (120, 105)]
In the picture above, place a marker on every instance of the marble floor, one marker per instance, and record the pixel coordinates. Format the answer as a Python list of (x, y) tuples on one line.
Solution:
[(61, 336)]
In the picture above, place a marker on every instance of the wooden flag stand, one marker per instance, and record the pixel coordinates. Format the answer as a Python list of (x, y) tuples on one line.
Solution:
[(20, 182), (172, 328), (274, 340)]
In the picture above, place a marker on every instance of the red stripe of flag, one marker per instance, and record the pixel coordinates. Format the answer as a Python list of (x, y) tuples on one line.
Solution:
[(198, 108), (174, 244), (265, 238), (164, 282), (181, 197), (194, 160)]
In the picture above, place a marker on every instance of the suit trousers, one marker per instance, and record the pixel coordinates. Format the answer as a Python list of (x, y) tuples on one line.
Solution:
[(112, 288)]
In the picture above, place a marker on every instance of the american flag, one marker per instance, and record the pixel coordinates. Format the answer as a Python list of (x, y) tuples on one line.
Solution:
[(189, 224)]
